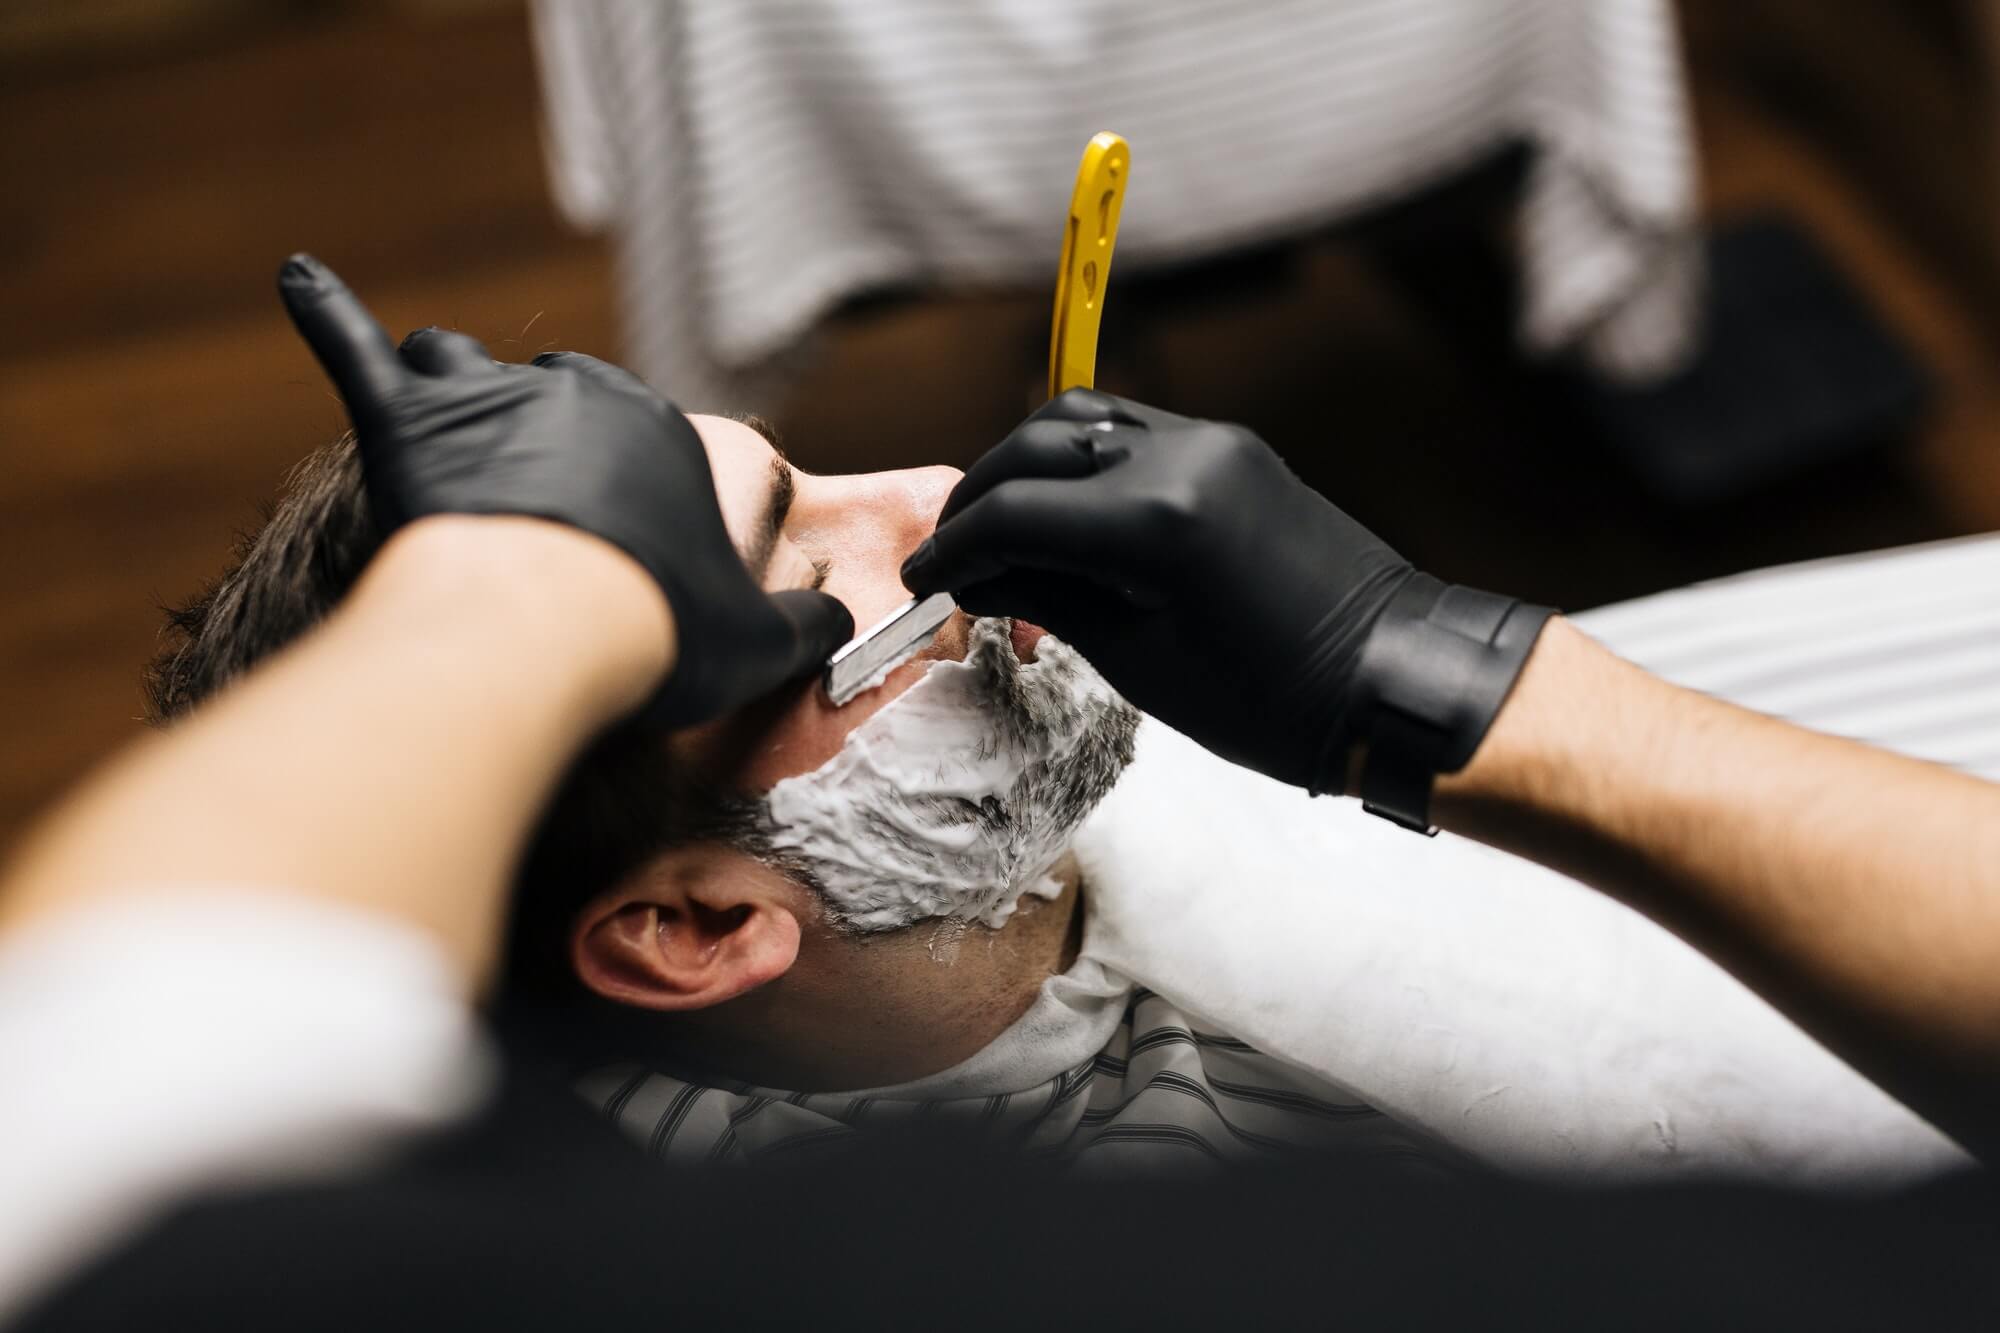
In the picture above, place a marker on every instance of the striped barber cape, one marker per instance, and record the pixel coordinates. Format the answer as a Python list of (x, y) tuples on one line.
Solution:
[(1160, 1091)]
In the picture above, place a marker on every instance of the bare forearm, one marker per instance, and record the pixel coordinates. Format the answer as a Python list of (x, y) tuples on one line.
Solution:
[(1857, 890), (392, 760)]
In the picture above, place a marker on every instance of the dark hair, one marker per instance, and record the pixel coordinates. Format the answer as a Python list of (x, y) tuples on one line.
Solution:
[(622, 802)]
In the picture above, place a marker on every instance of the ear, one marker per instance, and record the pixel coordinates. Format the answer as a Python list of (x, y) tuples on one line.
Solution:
[(696, 927)]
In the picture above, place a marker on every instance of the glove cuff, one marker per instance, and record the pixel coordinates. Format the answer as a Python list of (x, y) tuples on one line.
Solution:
[(1437, 665)]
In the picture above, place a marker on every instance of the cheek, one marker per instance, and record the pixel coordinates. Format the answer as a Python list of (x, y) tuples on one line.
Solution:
[(806, 731), (867, 579), (799, 740)]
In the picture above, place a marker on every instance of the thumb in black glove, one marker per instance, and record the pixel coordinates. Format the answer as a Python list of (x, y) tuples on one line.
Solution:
[(1223, 595), (442, 428)]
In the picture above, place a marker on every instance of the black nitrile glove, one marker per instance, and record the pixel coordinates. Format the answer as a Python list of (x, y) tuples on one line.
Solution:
[(444, 429), (1221, 594)]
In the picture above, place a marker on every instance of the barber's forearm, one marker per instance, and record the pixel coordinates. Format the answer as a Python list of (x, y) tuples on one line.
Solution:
[(392, 760), (1856, 889)]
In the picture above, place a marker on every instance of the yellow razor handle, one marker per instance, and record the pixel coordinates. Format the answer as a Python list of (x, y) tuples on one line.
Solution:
[(1086, 261)]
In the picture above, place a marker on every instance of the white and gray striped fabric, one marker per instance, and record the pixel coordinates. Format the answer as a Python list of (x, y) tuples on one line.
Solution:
[(1897, 648), (1162, 1093), (759, 161)]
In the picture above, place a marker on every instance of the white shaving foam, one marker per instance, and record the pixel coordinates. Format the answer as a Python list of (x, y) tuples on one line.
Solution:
[(958, 797)]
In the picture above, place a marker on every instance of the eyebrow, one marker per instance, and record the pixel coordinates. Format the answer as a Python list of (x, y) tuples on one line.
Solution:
[(777, 507), (763, 428)]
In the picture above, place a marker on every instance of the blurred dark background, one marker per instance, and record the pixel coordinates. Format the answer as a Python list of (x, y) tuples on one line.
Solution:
[(158, 158)]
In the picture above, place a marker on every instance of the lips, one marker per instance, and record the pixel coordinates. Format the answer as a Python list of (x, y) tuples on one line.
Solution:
[(1025, 636)]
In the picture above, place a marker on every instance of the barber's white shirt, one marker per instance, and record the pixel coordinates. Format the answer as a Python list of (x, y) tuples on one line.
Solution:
[(165, 1041)]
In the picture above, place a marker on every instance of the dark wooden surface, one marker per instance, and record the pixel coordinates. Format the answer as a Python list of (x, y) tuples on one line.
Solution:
[(151, 395)]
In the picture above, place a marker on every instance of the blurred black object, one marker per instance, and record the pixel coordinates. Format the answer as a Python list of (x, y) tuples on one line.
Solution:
[(1794, 370), (538, 1216)]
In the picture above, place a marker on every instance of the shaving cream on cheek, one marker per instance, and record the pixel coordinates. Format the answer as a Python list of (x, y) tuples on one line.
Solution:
[(960, 795)]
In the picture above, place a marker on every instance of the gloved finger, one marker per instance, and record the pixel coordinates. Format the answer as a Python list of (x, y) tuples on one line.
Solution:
[(820, 624), (436, 351), (1068, 607), (352, 348), (1057, 527), (794, 638), (1038, 448), (603, 372)]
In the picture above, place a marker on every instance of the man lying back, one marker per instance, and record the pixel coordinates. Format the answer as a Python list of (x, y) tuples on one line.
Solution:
[(799, 921)]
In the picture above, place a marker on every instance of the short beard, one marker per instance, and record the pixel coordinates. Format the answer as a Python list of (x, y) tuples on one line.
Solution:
[(885, 852)]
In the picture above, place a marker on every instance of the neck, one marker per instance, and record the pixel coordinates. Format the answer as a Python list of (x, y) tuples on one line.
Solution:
[(872, 1010)]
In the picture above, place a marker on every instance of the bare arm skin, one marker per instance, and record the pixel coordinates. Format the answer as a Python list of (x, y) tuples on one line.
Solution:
[(394, 759), (1859, 891)]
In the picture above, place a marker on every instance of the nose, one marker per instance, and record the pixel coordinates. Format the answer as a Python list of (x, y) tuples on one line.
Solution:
[(866, 525), (872, 518), (911, 506), (930, 487)]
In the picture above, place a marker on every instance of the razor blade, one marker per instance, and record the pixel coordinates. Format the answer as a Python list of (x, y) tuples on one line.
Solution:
[(893, 640)]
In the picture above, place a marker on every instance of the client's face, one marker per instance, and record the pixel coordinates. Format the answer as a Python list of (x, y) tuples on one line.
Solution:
[(944, 796), (845, 534), (952, 788)]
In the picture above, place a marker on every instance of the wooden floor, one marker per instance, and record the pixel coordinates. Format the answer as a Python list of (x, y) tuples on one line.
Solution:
[(151, 396)]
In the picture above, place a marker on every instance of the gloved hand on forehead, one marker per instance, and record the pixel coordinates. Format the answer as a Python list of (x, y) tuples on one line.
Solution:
[(1220, 593), (444, 429)]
